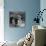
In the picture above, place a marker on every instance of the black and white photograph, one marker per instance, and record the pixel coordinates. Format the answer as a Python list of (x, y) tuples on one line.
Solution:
[(17, 19)]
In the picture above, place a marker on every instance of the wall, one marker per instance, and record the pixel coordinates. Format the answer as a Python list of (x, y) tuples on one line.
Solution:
[(1, 21), (30, 7)]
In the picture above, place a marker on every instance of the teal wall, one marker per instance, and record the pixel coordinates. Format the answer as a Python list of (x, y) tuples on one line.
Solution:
[(30, 7)]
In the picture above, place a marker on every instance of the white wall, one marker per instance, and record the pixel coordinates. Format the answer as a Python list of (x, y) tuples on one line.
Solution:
[(1, 21)]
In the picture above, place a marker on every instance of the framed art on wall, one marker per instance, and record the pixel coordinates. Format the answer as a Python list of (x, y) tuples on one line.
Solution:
[(17, 19)]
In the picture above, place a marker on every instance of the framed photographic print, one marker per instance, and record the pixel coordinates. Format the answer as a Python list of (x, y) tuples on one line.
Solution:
[(17, 19)]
